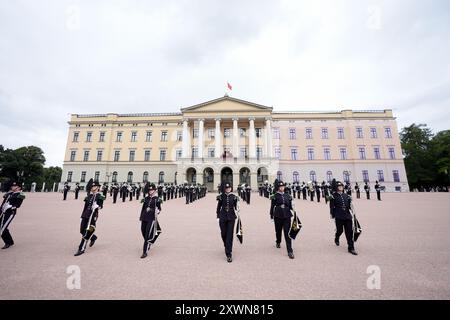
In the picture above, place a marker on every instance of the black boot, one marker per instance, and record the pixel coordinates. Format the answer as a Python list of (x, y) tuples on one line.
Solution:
[(229, 258), (336, 241), (278, 245), (144, 255), (92, 241), (6, 246), (353, 252), (291, 255), (78, 253)]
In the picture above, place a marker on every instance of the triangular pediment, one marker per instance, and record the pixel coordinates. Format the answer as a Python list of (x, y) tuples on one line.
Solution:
[(227, 104)]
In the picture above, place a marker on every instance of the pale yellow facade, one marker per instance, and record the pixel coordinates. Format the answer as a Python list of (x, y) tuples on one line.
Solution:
[(258, 144)]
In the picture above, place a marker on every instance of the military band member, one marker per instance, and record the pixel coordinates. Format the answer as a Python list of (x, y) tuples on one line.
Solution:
[(115, 192), (340, 204), (130, 191), (92, 204), (358, 192), (318, 192), (151, 207), (348, 188), (11, 201), (65, 190), (227, 208), (77, 190), (378, 190), (304, 190), (124, 191), (248, 192), (105, 189), (326, 191), (138, 191), (367, 189), (280, 214)]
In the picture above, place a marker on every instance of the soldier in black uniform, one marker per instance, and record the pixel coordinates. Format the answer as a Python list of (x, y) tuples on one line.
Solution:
[(77, 190), (105, 189), (124, 191), (358, 192), (11, 201), (318, 192), (248, 192), (138, 191), (280, 214), (92, 203), (151, 207), (367, 189), (227, 208), (304, 190), (65, 190), (340, 204), (378, 190), (115, 192)]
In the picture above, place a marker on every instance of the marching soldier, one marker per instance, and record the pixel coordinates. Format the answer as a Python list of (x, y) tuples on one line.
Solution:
[(115, 191), (130, 191), (124, 191), (151, 208), (65, 190), (11, 201), (227, 209), (348, 188), (138, 191), (280, 214), (326, 191), (186, 193), (248, 192), (318, 192), (92, 204), (358, 192), (105, 189), (77, 190), (304, 190), (340, 204), (378, 190), (367, 189)]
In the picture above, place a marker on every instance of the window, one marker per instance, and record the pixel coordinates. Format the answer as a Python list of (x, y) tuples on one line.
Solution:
[(312, 176), (211, 152), (373, 133), (161, 177), (130, 177), (97, 176), (76, 134), (147, 155), (259, 152), (211, 133), (226, 132), (310, 154), (365, 175), (380, 175), (83, 176), (279, 175), (396, 176), (133, 136), (178, 154), (391, 153), (294, 154), (164, 136), (89, 136), (387, 132), (242, 132), (162, 155), (326, 154), (86, 156), (340, 133), (362, 153), (116, 155), (99, 155), (132, 154), (179, 136), (295, 176), (148, 136), (359, 133), (243, 152), (324, 133), (102, 137), (73, 153), (69, 176), (114, 177), (376, 153), (329, 176), (292, 134), (145, 177), (119, 137), (343, 153), (276, 133), (346, 176), (258, 133), (194, 153), (308, 133)]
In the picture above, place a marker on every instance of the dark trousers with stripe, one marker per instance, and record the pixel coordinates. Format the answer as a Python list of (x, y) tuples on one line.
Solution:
[(5, 221), (346, 225), (227, 232), (87, 231), (283, 225), (145, 230)]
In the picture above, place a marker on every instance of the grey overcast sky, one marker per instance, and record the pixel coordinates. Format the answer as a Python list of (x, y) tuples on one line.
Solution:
[(92, 56)]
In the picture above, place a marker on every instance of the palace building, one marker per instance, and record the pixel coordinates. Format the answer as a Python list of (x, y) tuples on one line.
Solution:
[(238, 141)]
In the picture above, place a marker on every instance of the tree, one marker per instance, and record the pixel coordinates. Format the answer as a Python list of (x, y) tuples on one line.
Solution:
[(440, 145)]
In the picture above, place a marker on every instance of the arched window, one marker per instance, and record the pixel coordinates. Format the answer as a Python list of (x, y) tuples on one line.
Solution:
[(279, 175), (329, 176), (295, 176), (145, 177), (161, 177), (312, 176), (346, 176), (130, 177), (114, 177)]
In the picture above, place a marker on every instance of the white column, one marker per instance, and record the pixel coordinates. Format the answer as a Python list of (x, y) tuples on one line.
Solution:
[(217, 137), (185, 144), (235, 138), (252, 139), (269, 138), (200, 138)]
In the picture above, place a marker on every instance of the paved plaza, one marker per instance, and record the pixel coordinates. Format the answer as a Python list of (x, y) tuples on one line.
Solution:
[(406, 236)]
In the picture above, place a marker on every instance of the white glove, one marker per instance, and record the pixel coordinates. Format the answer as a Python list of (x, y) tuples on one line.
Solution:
[(271, 219), (218, 219)]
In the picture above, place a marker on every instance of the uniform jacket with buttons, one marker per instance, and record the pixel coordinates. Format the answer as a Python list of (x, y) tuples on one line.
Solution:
[(14, 199), (89, 203), (149, 206), (227, 206), (340, 206), (281, 205)]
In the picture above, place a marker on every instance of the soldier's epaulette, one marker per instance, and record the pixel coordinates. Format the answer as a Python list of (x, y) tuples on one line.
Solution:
[(21, 195), (219, 197), (101, 197), (330, 197)]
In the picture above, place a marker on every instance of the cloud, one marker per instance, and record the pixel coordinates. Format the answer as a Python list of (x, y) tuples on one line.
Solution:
[(79, 56)]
